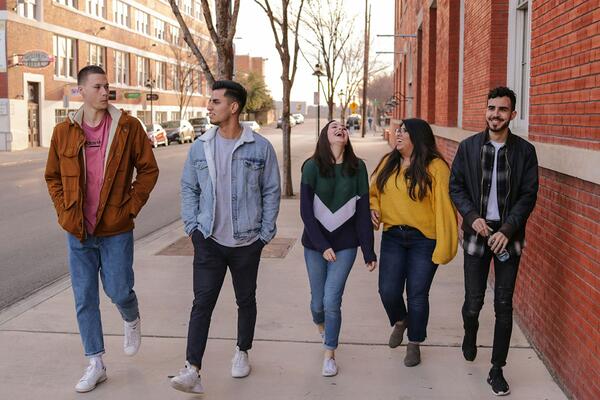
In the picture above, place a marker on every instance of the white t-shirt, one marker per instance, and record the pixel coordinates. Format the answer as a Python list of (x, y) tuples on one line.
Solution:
[(493, 212)]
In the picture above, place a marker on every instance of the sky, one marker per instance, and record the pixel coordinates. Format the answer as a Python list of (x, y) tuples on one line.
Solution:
[(256, 38)]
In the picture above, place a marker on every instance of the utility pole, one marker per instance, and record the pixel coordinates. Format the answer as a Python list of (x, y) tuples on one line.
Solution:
[(366, 66)]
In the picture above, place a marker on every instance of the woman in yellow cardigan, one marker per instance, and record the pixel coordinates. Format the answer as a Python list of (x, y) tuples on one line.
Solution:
[(409, 195)]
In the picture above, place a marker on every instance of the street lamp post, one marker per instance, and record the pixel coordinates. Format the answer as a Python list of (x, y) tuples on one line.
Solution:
[(318, 72), (150, 85)]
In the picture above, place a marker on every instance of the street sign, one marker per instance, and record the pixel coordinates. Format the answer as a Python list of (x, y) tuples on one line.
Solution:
[(36, 59), (151, 97), (112, 94), (132, 95), (353, 107)]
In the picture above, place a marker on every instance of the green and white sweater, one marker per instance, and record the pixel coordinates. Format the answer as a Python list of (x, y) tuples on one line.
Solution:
[(335, 210)]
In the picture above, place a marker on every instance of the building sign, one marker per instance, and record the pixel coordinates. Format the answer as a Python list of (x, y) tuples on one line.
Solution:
[(112, 94), (132, 95), (2, 46), (151, 97), (36, 59)]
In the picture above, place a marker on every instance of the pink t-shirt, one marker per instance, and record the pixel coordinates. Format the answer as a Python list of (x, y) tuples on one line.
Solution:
[(96, 140)]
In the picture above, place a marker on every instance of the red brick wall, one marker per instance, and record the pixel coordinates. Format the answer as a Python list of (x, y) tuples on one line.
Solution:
[(558, 292), (429, 64), (485, 54), (448, 34), (565, 73)]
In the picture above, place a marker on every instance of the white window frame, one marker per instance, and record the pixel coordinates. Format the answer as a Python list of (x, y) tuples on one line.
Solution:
[(121, 67), (519, 61), (121, 13), (28, 9), (198, 13), (142, 20), (96, 55), (159, 29), (161, 69), (174, 34), (186, 7), (68, 3), (142, 70), (97, 8), (65, 55)]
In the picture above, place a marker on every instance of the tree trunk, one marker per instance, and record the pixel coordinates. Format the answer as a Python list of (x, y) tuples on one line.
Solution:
[(330, 108), (288, 189)]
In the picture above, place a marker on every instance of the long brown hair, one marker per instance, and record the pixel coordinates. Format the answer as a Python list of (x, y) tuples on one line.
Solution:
[(325, 159), (416, 175)]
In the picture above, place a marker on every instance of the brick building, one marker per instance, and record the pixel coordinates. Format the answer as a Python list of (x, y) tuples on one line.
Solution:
[(138, 43), (449, 53)]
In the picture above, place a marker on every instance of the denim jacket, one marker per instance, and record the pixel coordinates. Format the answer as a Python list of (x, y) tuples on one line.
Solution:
[(255, 187)]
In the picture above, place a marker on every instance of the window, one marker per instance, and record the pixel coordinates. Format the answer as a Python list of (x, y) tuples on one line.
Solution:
[(188, 77), (187, 7), (121, 68), (96, 55), (159, 29), (143, 68), (161, 116), (175, 77), (95, 8), (161, 75), (519, 57), (175, 115), (145, 116), (198, 11), (68, 3), (60, 114), (121, 13), (141, 22), (65, 63), (27, 9), (174, 34), (200, 82)]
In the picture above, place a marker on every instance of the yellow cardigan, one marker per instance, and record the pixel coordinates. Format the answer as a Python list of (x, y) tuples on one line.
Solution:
[(434, 216)]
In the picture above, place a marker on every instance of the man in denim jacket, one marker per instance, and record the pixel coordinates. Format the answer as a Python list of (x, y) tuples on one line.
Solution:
[(230, 193)]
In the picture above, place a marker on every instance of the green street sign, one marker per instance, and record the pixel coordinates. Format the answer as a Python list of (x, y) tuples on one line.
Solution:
[(132, 95)]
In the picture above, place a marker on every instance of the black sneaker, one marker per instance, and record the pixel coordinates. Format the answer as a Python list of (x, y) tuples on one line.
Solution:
[(497, 382)]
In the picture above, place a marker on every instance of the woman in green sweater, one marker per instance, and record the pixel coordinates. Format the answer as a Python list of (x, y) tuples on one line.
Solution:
[(334, 205)]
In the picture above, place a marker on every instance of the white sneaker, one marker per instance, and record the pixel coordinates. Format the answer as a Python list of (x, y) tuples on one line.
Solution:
[(92, 376), (132, 336), (329, 367), (188, 380), (240, 366)]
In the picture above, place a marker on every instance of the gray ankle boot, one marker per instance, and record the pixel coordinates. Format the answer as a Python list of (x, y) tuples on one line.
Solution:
[(413, 355), (397, 334)]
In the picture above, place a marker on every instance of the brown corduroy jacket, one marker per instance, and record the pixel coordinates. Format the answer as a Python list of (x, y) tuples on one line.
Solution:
[(120, 198)]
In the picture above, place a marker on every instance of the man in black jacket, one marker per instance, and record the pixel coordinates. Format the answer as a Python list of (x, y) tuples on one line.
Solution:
[(494, 185)]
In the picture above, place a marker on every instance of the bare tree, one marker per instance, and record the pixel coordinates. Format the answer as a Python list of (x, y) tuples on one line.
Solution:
[(329, 33), (282, 30), (221, 36), (381, 88), (183, 76)]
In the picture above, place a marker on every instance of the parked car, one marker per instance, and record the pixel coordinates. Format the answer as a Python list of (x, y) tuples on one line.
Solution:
[(353, 122), (299, 118), (201, 125), (157, 135), (179, 131), (292, 121), (252, 124)]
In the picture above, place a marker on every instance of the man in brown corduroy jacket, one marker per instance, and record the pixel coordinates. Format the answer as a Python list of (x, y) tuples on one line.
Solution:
[(89, 173)]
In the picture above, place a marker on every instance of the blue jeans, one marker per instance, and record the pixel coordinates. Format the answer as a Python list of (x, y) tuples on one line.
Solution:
[(327, 282), (406, 261), (112, 258)]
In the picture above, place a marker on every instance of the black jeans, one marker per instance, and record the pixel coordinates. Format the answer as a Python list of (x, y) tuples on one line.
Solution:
[(210, 265), (476, 274)]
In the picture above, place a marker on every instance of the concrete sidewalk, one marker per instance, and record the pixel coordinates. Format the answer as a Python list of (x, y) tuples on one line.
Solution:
[(41, 355), (9, 158)]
